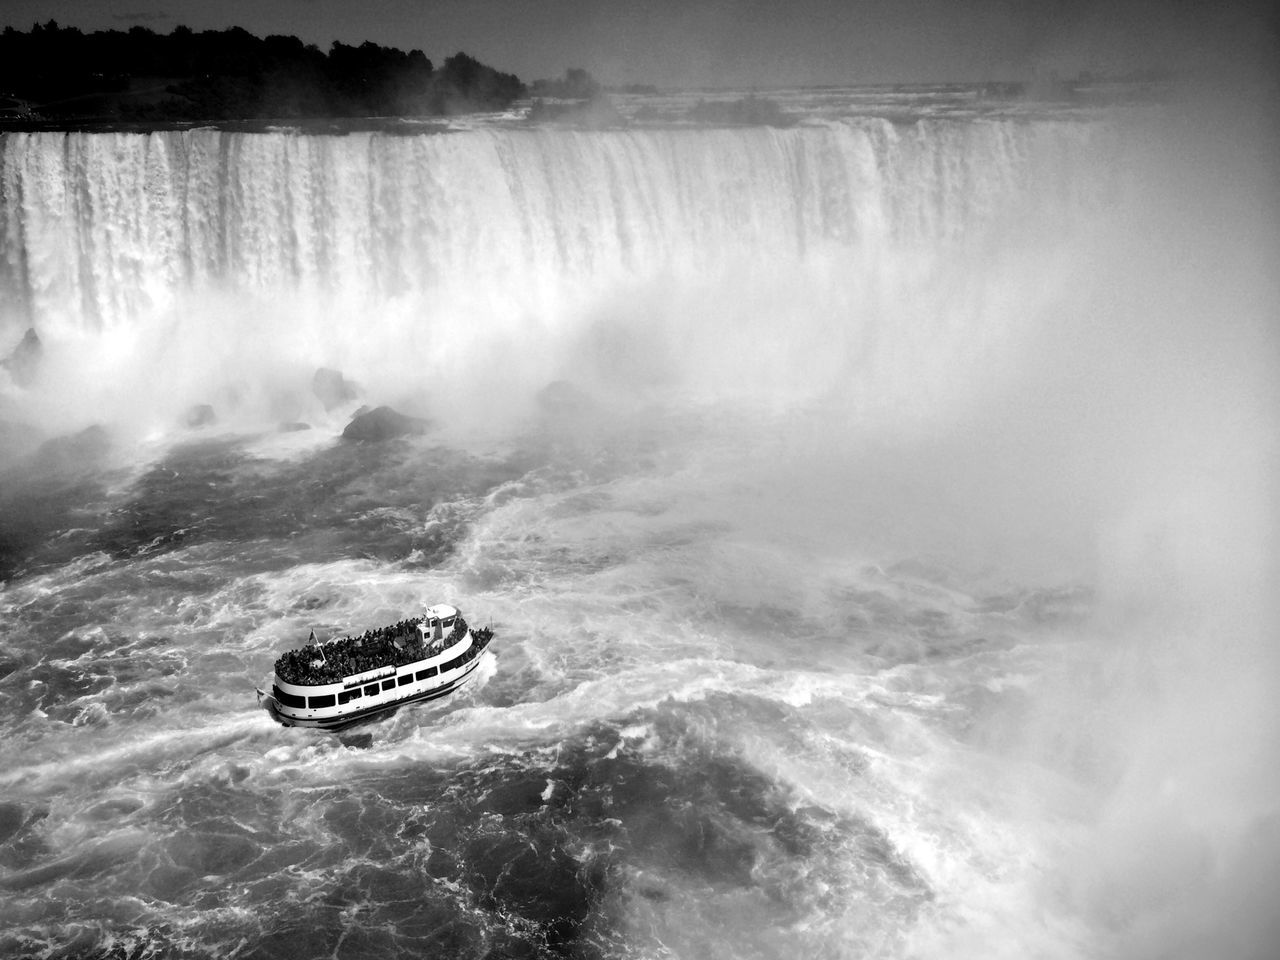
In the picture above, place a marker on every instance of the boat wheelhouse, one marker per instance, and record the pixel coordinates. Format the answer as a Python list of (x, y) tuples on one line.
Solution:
[(344, 681)]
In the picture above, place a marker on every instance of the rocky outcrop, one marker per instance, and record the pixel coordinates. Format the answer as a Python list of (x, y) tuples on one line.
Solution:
[(24, 362), (17, 440), (73, 452), (200, 415), (383, 423), (561, 398), (332, 388)]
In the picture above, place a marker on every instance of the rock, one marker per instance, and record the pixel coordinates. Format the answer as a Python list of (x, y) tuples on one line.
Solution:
[(77, 450), (383, 423), (17, 440), (562, 398), (293, 426), (332, 388), (200, 415), (24, 362)]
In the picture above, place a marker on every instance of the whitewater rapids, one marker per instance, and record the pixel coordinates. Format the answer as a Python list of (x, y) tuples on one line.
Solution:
[(890, 571)]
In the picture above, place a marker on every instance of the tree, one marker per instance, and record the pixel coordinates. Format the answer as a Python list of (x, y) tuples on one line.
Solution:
[(231, 74)]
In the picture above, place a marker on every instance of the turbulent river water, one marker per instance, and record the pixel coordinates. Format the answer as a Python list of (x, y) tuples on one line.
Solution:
[(876, 517)]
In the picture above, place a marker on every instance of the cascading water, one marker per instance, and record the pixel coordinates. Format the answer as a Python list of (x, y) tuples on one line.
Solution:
[(369, 250), (863, 591), (101, 228)]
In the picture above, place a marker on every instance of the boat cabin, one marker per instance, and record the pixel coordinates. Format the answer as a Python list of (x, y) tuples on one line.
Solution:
[(437, 623)]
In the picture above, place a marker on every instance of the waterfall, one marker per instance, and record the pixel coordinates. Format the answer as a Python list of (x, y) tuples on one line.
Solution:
[(892, 572), (97, 230)]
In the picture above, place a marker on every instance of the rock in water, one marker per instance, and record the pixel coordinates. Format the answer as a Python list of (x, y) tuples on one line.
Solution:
[(332, 388), (24, 362), (562, 398), (17, 440), (383, 423), (200, 415), (75, 452)]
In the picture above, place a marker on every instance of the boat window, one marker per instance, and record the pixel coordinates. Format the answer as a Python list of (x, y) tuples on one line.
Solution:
[(455, 662), (407, 678), (371, 690), (288, 699), (425, 674), (324, 701), (388, 684), (447, 623), (346, 696)]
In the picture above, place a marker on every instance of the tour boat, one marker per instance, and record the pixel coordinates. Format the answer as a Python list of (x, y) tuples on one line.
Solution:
[(344, 681)]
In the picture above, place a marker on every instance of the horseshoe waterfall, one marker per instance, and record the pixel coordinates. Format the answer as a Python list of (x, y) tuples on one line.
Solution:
[(876, 516)]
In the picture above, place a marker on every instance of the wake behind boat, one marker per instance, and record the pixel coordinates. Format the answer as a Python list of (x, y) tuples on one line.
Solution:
[(336, 684)]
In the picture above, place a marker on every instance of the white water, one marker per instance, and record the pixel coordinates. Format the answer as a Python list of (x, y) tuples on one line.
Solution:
[(987, 407), (186, 263)]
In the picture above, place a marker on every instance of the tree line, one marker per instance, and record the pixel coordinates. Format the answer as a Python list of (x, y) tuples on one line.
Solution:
[(61, 72)]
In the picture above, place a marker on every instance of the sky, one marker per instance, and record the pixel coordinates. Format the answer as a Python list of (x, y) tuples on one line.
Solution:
[(691, 43)]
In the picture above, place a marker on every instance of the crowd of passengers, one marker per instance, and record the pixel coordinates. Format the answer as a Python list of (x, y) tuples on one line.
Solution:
[(389, 646)]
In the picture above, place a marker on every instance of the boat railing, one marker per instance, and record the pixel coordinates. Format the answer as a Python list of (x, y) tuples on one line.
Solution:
[(357, 679), (381, 651)]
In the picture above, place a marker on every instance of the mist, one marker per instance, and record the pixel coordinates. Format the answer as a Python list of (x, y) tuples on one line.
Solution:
[(1021, 379)]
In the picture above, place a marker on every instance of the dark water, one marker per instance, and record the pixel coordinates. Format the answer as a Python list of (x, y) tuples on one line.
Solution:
[(611, 782)]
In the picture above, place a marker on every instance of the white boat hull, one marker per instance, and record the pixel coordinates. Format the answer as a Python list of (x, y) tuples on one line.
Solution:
[(363, 697)]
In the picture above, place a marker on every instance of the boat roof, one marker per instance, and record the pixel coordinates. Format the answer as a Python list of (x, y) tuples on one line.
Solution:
[(441, 611)]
